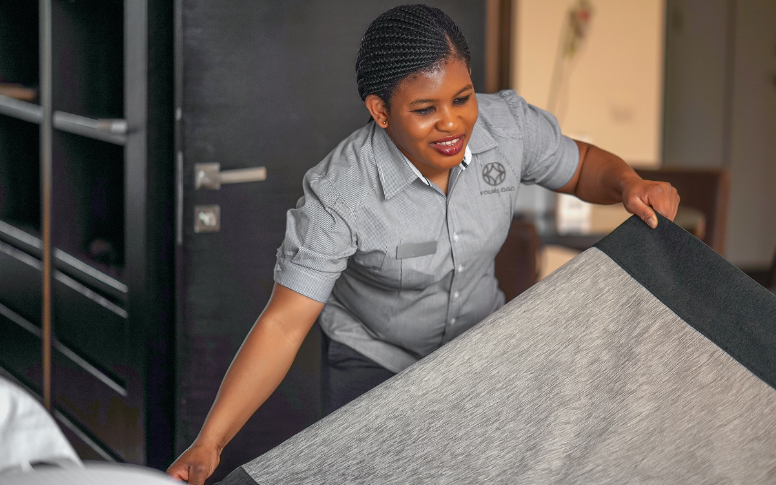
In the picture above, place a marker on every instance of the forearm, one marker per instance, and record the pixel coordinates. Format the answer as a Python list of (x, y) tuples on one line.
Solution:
[(602, 176), (256, 371)]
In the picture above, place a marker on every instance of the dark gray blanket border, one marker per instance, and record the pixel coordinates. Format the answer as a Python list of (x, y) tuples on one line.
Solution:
[(238, 476), (702, 288)]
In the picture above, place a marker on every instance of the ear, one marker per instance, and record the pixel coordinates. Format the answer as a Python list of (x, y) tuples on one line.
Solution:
[(378, 109)]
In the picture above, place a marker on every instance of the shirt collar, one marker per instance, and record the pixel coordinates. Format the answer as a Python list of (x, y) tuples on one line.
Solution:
[(395, 170), (481, 140), (467, 158), (393, 167)]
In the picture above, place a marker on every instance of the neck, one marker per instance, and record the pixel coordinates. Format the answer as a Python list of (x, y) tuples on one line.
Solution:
[(440, 179)]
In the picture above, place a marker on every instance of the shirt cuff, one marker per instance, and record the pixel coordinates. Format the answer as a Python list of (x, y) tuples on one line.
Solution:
[(304, 281)]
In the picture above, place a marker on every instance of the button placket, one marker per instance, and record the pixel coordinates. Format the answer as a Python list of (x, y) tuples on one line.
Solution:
[(455, 300)]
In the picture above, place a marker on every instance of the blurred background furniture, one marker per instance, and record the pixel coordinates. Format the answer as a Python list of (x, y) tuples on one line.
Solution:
[(87, 204), (516, 262), (30, 437), (707, 190)]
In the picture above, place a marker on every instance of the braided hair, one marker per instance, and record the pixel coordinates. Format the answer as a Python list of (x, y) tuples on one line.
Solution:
[(403, 41)]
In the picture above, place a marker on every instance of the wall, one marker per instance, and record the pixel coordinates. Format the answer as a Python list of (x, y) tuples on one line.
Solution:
[(720, 110), (615, 90), (719, 106), (697, 84), (752, 224)]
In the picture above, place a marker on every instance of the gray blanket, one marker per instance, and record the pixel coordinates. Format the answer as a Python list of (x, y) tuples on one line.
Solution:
[(647, 359)]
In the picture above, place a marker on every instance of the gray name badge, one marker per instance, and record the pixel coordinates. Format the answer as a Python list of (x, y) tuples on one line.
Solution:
[(413, 250)]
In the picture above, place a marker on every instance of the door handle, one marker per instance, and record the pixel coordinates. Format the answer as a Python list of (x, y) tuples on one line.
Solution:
[(210, 176)]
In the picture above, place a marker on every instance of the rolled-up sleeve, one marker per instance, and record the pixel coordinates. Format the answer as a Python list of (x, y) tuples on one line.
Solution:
[(318, 242), (550, 158)]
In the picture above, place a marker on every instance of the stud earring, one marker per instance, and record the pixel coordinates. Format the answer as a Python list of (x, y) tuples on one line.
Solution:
[(385, 122)]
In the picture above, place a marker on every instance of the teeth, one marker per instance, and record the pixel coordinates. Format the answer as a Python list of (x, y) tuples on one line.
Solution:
[(449, 143)]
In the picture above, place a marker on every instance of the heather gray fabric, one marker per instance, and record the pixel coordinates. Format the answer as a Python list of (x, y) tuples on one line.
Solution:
[(708, 293), (585, 378)]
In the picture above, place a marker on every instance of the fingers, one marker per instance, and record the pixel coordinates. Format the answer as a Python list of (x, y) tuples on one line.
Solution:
[(194, 474), (198, 474), (195, 465), (178, 472), (663, 198), (646, 197), (645, 212)]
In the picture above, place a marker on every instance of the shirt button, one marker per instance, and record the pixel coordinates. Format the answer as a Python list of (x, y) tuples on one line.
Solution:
[(460, 268), (455, 295), (455, 236), (452, 321)]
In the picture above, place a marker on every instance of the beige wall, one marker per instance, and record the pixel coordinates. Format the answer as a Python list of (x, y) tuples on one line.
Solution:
[(614, 93), (721, 111)]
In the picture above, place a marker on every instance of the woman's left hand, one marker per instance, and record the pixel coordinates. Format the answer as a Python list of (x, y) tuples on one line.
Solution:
[(604, 178), (644, 197)]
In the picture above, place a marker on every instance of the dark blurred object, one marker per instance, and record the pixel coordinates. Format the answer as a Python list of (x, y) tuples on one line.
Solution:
[(103, 251), (516, 262), (18, 91), (705, 190), (92, 473), (771, 283)]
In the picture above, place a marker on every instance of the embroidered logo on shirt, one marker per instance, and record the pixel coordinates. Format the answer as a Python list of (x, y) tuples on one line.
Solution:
[(494, 173)]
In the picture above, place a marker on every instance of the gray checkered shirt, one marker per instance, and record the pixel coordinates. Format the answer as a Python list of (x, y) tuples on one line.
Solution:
[(402, 267)]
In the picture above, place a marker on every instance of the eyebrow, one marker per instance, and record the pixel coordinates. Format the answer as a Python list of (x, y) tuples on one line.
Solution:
[(422, 101)]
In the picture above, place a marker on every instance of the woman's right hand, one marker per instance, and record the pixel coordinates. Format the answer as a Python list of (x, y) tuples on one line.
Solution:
[(196, 464), (260, 365)]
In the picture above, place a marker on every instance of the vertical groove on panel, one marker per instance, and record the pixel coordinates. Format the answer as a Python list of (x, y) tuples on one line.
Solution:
[(505, 45), (498, 45), (179, 406), (491, 45), (46, 169), (730, 68)]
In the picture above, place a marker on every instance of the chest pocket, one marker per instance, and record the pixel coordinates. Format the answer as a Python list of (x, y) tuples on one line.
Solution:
[(385, 269), (419, 272), (377, 267)]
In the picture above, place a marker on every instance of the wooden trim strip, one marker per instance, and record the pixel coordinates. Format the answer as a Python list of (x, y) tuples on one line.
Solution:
[(45, 182), (498, 44)]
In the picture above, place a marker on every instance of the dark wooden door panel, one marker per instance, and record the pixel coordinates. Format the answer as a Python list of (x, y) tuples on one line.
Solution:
[(83, 442), (272, 84), (20, 349), (109, 410), (20, 282), (91, 324)]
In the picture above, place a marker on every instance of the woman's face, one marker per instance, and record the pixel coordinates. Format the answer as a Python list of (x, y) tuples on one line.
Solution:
[(432, 115)]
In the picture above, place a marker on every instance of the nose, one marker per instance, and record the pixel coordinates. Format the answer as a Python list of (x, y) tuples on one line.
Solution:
[(447, 120)]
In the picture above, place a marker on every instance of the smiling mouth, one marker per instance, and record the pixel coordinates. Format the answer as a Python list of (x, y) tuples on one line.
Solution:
[(449, 146)]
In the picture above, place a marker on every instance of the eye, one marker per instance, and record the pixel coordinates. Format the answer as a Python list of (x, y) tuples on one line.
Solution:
[(462, 99), (424, 111)]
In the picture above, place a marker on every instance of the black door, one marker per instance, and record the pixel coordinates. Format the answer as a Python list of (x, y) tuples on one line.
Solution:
[(259, 84)]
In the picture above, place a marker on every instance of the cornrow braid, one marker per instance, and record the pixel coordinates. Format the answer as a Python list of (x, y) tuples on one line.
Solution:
[(402, 41)]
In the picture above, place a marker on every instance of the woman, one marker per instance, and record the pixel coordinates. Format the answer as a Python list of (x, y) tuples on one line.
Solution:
[(392, 246)]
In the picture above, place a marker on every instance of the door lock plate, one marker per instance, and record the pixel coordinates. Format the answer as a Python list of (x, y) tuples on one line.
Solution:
[(207, 218), (207, 176)]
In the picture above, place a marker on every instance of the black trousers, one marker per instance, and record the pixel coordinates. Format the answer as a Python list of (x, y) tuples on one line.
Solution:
[(346, 374)]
